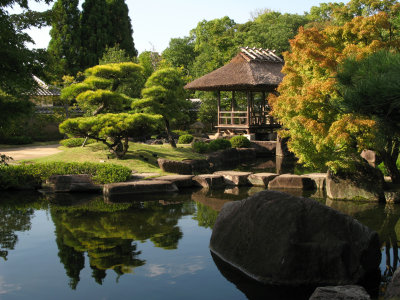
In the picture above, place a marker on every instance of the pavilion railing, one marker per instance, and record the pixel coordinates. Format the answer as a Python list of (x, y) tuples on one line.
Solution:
[(233, 118), (240, 118)]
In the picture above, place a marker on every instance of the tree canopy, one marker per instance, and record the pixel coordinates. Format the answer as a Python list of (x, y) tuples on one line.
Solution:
[(65, 38), (104, 95), (320, 133), (370, 88), (164, 95)]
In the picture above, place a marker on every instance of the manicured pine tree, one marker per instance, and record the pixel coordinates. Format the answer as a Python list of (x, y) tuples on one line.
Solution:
[(65, 38)]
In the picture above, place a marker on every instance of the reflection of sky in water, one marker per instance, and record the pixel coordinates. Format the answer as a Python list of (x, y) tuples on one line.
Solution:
[(6, 288), (34, 270), (173, 270)]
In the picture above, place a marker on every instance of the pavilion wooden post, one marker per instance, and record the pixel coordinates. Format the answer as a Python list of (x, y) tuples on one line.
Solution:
[(248, 111), (263, 111), (219, 110), (233, 107)]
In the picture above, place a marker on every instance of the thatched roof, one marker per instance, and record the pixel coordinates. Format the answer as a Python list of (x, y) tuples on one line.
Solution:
[(252, 69)]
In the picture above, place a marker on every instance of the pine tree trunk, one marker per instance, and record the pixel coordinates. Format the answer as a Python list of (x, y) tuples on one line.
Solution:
[(170, 137)]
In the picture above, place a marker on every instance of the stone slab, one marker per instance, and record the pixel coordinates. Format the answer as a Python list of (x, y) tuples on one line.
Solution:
[(319, 179), (210, 181), (261, 179), (138, 187), (290, 181), (181, 181), (347, 292), (234, 177), (393, 288)]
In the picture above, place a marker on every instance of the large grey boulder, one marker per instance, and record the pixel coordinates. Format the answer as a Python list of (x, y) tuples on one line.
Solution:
[(393, 289), (280, 239), (72, 183), (346, 292), (366, 183)]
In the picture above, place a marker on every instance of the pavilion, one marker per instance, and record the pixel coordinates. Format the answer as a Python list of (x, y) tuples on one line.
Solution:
[(249, 76)]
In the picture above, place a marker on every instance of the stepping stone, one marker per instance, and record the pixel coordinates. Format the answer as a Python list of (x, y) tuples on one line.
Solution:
[(289, 181), (340, 292), (210, 181), (138, 187), (261, 179), (141, 176), (181, 181), (234, 177), (319, 179)]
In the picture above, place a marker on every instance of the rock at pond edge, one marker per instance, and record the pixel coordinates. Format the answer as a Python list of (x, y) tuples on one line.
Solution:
[(280, 239)]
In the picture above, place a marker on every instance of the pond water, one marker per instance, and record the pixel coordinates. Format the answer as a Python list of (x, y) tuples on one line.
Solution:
[(82, 247)]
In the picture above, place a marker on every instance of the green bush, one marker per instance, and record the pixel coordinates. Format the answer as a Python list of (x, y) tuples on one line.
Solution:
[(75, 142), (185, 139), (219, 144), (180, 132), (200, 147), (240, 141), (14, 176)]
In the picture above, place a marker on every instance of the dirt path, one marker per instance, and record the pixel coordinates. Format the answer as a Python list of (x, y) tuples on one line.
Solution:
[(31, 151)]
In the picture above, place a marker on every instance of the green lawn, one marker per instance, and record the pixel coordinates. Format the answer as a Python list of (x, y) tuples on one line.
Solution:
[(140, 157)]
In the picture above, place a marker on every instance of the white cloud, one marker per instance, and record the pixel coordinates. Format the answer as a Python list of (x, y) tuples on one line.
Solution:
[(6, 288)]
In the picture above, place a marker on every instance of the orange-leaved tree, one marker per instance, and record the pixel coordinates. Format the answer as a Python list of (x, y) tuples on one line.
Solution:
[(308, 105)]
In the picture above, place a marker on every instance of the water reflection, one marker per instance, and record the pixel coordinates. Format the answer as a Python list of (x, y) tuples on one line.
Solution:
[(16, 212), (382, 218), (109, 232)]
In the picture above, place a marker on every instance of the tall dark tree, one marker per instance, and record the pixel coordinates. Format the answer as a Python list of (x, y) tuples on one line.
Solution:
[(94, 31), (104, 23), (121, 27), (65, 38)]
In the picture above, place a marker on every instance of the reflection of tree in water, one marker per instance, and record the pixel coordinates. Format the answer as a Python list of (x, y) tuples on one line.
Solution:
[(205, 215), (382, 218), (16, 212), (109, 237), (11, 220)]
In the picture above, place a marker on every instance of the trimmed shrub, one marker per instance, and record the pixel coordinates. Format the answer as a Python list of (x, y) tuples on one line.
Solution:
[(240, 141), (75, 142), (185, 139), (200, 147), (32, 175), (220, 144)]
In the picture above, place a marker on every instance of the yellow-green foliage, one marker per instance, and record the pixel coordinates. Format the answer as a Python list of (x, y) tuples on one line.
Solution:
[(307, 105)]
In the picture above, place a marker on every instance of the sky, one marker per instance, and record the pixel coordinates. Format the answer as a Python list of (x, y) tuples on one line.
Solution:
[(155, 22)]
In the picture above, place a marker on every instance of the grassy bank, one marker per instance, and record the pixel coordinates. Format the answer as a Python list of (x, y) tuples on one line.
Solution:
[(140, 157)]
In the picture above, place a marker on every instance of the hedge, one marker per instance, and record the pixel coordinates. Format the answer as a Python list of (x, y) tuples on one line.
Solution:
[(17, 176)]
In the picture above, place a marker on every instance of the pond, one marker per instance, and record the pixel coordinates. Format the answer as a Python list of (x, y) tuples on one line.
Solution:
[(81, 247)]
